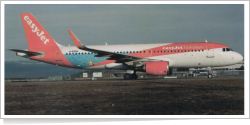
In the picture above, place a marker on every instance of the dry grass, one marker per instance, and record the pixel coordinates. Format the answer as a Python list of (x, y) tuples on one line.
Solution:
[(219, 96)]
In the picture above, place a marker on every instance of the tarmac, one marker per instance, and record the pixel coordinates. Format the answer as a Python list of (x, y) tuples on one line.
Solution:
[(147, 96)]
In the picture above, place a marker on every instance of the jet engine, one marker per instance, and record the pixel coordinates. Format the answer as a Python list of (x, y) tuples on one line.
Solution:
[(156, 68)]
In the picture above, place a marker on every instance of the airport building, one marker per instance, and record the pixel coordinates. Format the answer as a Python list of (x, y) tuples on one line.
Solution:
[(233, 70)]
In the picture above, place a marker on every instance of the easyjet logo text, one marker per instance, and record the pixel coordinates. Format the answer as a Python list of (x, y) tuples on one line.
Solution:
[(184, 47), (176, 47), (35, 29)]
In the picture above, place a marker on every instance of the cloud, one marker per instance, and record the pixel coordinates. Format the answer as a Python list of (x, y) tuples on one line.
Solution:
[(126, 24)]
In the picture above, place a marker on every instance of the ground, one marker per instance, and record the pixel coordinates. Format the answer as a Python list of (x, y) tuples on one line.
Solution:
[(185, 96)]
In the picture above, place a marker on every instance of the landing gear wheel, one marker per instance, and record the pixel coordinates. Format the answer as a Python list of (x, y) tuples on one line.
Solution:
[(127, 76), (210, 76), (134, 76), (130, 76)]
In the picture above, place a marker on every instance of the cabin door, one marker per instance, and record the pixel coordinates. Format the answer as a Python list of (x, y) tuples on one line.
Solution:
[(210, 51)]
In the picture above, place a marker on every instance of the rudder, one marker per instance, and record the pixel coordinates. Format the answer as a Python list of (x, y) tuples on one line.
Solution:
[(37, 36)]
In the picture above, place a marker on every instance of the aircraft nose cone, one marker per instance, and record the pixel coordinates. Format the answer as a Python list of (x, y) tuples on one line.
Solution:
[(241, 57), (238, 57)]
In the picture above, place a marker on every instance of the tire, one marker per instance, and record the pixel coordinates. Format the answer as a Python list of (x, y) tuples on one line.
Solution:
[(210, 76), (130, 76), (134, 76), (127, 76)]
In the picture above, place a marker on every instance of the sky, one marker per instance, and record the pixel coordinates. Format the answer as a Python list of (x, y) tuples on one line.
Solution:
[(128, 24)]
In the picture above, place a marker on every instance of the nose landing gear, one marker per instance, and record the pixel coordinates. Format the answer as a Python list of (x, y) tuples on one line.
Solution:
[(210, 75)]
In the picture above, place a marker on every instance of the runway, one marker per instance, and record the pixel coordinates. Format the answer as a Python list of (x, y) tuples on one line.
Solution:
[(185, 96)]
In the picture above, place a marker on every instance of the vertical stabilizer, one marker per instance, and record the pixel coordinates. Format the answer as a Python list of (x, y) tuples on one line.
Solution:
[(37, 36)]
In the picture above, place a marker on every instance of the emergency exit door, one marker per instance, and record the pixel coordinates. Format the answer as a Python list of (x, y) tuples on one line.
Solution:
[(147, 53)]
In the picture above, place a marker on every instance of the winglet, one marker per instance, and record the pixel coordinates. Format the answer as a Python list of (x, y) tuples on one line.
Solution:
[(75, 39)]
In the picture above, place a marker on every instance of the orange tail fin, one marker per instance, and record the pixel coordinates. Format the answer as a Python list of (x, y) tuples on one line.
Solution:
[(37, 36)]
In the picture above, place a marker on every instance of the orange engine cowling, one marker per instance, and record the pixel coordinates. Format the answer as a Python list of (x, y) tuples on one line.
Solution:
[(156, 68)]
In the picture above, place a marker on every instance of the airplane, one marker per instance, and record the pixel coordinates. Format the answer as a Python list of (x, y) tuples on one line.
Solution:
[(154, 59)]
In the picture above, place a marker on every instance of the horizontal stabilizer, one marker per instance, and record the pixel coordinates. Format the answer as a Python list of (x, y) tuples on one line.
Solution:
[(29, 53)]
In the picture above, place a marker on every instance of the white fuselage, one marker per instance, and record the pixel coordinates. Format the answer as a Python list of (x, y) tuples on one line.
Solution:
[(192, 59)]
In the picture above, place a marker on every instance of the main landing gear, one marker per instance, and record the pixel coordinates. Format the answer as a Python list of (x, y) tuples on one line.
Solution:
[(210, 75), (130, 76)]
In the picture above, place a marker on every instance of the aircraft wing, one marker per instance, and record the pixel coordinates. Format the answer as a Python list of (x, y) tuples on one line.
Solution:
[(120, 58)]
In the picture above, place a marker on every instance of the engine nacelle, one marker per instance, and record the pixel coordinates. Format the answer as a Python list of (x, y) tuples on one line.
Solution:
[(156, 68)]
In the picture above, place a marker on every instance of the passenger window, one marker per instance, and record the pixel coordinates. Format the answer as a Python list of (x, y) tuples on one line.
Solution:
[(228, 49), (174, 50), (168, 51), (223, 49), (171, 51), (69, 53)]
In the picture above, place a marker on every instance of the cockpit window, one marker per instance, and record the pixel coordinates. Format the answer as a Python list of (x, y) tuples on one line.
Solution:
[(227, 49)]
